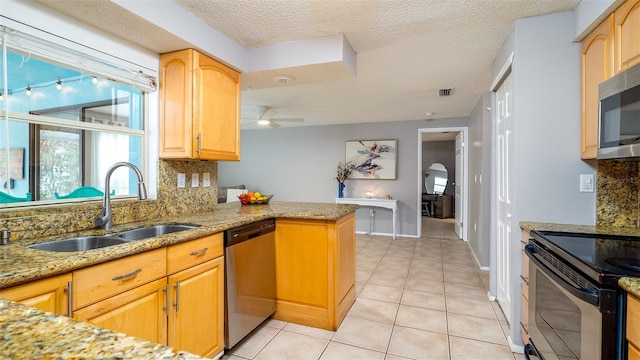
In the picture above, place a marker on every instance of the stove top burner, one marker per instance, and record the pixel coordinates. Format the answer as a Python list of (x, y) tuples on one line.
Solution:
[(604, 258)]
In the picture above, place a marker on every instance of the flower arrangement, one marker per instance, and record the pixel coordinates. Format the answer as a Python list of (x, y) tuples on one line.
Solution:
[(343, 171)]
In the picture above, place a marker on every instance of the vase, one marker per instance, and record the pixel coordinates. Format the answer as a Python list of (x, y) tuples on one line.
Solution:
[(340, 190)]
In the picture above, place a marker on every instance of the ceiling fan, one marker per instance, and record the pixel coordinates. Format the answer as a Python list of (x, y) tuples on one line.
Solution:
[(265, 117)]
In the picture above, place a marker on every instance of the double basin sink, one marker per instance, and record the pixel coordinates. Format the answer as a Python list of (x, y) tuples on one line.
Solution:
[(96, 242)]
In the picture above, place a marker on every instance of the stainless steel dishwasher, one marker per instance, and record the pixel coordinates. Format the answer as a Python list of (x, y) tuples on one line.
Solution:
[(250, 287)]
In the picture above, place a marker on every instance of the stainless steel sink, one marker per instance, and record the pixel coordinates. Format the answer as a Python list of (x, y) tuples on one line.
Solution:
[(79, 244), (153, 231)]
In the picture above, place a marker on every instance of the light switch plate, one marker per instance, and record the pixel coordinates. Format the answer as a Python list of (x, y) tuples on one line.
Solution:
[(587, 183), (182, 180), (206, 179), (195, 180)]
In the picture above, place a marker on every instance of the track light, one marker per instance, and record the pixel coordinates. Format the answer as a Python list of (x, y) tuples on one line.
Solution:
[(59, 85), (94, 80), (28, 91)]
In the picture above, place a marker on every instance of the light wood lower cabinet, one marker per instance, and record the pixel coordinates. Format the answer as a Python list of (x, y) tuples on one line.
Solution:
[(524, 316), (633, 326), (172, 296), (196, 320), (138, 312), (315, 271), (50, 294)]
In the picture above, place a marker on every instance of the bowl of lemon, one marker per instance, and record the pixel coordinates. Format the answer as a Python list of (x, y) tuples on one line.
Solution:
[(254, 198)]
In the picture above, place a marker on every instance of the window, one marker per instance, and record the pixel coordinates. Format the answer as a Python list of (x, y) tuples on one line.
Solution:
[(66, 118)]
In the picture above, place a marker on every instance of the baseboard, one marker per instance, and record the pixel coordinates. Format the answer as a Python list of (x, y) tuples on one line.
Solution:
[(515, 348), (386, 234), (491, 297)]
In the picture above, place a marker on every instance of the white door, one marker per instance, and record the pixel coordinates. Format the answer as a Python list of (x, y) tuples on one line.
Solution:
[(458, 185), (504, 138)]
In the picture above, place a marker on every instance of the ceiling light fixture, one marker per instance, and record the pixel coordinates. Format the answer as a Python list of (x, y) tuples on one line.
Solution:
[(428, 113), (264, 122), (94, 80), (28, 91), (284, 79), (59, 85)]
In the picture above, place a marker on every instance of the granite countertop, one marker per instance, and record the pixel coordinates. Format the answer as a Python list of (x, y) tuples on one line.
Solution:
[(585, 229), (19, 264), (630, 285), (28, 333)]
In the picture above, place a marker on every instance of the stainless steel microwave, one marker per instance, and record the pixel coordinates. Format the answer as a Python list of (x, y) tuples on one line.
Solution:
[(619, 118)]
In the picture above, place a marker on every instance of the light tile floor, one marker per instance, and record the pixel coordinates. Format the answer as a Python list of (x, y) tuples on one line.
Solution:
[(416, 299)]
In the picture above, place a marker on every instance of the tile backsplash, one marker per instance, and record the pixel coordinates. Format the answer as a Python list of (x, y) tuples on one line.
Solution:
[(47, 220), (617, 196)]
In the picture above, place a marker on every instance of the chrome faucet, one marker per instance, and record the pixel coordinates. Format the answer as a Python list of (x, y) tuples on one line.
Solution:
[(104, 219)]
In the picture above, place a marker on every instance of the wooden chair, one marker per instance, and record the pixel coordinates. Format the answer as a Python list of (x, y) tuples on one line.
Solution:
[(83, 192)]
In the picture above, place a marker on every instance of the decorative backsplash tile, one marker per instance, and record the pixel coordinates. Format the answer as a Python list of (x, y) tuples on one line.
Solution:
[(46, 221), (617, 196)]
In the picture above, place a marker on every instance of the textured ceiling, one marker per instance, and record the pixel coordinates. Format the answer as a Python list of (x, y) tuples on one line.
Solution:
[(407, 50)]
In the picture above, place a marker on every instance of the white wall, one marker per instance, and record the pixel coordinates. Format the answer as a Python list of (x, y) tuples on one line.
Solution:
[(299, 164), (546, 80), (480, 177)]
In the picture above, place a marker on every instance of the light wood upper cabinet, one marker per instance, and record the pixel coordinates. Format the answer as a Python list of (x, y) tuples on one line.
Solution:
[(627, 35), (199, 108), (596, 66), (315, 271), (50, 294)]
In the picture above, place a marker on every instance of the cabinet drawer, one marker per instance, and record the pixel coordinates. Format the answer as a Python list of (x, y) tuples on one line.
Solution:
[(188, 254), (101, 281)]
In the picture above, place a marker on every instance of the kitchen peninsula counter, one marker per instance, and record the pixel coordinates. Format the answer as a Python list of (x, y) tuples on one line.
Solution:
[(27, 332), (19, 264)]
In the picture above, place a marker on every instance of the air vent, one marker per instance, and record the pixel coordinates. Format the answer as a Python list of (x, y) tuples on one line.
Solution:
[(444, 92)]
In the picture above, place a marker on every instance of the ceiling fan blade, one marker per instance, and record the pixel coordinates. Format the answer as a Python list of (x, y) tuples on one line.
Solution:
[(288, 119), (273, 124)]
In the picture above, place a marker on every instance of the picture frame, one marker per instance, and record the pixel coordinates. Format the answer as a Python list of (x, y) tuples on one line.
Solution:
[(16, 163), (373, 159)]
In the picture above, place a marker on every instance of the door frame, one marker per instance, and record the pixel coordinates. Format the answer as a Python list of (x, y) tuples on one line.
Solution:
[(465, 177)]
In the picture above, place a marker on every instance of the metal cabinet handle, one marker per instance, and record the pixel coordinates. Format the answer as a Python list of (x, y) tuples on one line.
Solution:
[(526, 281), (199, 140), (524, 328), (199, 252), (69, 292), (126, 276), (167, 298), (177, 287)]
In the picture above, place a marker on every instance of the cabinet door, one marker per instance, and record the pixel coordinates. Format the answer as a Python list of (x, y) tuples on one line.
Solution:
[(627, 35), (596, 66), (217, 111), (176, 105), (48, 294), (196, 320), (138, 312)]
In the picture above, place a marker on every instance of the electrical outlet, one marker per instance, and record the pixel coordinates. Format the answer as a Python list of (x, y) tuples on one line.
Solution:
[(206, 179), (182, 180), (587, 183), (195, 180)]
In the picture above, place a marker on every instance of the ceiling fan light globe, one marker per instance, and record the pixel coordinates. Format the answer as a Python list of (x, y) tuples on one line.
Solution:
[(263, 122)]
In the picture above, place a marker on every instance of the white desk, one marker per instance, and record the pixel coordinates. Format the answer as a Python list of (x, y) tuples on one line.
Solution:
[(375, 202)]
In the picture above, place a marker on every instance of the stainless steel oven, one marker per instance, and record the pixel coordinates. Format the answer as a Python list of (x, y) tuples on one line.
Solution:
[(575, 306)]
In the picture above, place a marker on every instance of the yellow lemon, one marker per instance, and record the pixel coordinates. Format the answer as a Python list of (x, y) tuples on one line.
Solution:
[(256, 194)]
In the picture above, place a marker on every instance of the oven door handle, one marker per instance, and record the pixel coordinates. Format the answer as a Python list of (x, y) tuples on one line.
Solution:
[(580, 293)]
